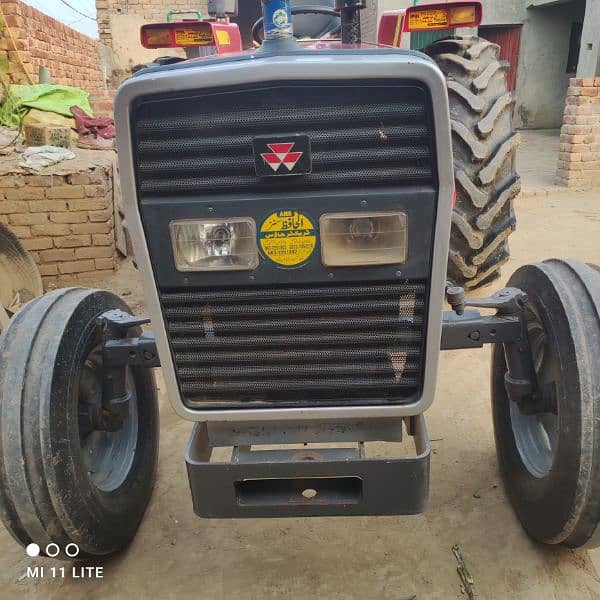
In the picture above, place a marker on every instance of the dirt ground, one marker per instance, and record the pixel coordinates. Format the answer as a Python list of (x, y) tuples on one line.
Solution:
[(177, 555)]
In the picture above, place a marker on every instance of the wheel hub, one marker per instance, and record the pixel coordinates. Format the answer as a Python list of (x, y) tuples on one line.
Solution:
[(108, 441), (536, 431)]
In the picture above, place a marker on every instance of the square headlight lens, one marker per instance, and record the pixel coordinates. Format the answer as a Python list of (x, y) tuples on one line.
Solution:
[(363, 238), (215, 244)]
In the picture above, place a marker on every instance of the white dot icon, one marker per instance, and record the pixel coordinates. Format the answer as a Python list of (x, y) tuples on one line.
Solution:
[(32, 550)]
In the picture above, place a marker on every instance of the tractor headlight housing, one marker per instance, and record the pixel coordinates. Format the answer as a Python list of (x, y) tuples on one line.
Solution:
[(215, 244), (363, 238)]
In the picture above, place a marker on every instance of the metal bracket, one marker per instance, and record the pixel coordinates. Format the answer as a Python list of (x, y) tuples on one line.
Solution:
[(507, 301), (118, 353), (472, 330), (305, 481), (509, 327)]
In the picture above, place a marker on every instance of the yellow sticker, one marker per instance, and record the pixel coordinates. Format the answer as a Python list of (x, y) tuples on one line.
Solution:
[(288, 238), (424, 19), (223, 37), (193, 37)]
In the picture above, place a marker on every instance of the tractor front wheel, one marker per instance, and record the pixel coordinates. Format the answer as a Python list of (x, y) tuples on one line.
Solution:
[(484, 146), (68, 483), (549, 452)]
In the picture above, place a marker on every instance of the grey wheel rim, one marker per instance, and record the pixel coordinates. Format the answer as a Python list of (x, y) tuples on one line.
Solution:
[(107, 456), (536, 435)]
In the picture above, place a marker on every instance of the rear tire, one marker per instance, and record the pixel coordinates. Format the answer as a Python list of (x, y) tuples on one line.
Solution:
[(484, 146), (57, 483), (550, 461)]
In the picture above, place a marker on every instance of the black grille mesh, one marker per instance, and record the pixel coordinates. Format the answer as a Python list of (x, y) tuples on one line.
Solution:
[(309, 345), (361, 134)]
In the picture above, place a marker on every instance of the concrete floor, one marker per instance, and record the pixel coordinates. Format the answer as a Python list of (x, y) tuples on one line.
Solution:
[(537, 158), (177, 555)]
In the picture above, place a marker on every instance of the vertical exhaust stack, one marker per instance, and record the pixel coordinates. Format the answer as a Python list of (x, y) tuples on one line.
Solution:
[(350, 19)]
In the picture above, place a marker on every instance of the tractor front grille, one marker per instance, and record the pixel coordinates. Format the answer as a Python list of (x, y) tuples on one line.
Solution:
[(302, 345), (367, 133)]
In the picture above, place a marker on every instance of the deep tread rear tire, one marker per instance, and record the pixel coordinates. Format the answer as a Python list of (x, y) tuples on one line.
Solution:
[(46, 494), (484, 145)]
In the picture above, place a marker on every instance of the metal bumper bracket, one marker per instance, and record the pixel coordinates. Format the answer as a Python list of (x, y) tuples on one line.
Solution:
[(308, 481)]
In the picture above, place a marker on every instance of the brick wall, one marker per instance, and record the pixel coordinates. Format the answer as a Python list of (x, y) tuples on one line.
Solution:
[(579, 156), (73, 58), (65, 221)]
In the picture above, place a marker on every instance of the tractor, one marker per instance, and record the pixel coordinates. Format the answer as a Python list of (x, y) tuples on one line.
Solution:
[(291, 209)]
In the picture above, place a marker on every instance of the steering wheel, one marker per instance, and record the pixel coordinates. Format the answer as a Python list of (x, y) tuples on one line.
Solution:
[(301, 10)]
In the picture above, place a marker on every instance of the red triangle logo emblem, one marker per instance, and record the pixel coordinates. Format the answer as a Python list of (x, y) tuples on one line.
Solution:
[(281, 154)]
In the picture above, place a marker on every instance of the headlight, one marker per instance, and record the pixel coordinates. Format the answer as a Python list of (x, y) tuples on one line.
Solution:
[(215, 244), (351, 239)]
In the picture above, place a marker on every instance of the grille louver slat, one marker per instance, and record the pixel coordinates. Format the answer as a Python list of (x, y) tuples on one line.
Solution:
[(364, 134), (367, 342)]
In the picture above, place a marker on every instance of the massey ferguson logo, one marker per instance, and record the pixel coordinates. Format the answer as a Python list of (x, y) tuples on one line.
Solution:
[(282, 155)]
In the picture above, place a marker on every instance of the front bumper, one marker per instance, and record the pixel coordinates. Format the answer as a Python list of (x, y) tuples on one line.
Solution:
[(307, 481)]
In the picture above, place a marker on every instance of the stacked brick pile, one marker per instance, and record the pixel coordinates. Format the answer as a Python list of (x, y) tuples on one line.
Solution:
[(65, 221), (579, 157)]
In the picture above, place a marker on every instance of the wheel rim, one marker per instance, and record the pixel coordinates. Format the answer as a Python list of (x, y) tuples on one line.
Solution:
[(536, 435), (107, 456)]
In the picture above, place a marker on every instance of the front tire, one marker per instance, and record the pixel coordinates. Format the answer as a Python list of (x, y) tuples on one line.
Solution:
[(62, 482), (550, 460), (484, 147)]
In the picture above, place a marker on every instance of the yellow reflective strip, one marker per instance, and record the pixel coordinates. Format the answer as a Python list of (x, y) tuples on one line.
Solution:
[(398, 29)]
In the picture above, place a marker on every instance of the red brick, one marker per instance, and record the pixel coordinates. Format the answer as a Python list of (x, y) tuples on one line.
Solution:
[(57, 254), (88, 204), (95, 190), (78, 179), (72, 241), (24, 193), (21, 231), (569, 156), (99, 216), (589, 91), (37, 243), (100, 239), (28, 219), (8, 207), (46, 270), (44, 180), (575, 129), (572, 139), (104, 263), (76, 266), (68, 217), (47, 205), (94, 252), (50, 229), (65, 191), (92, 228)]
